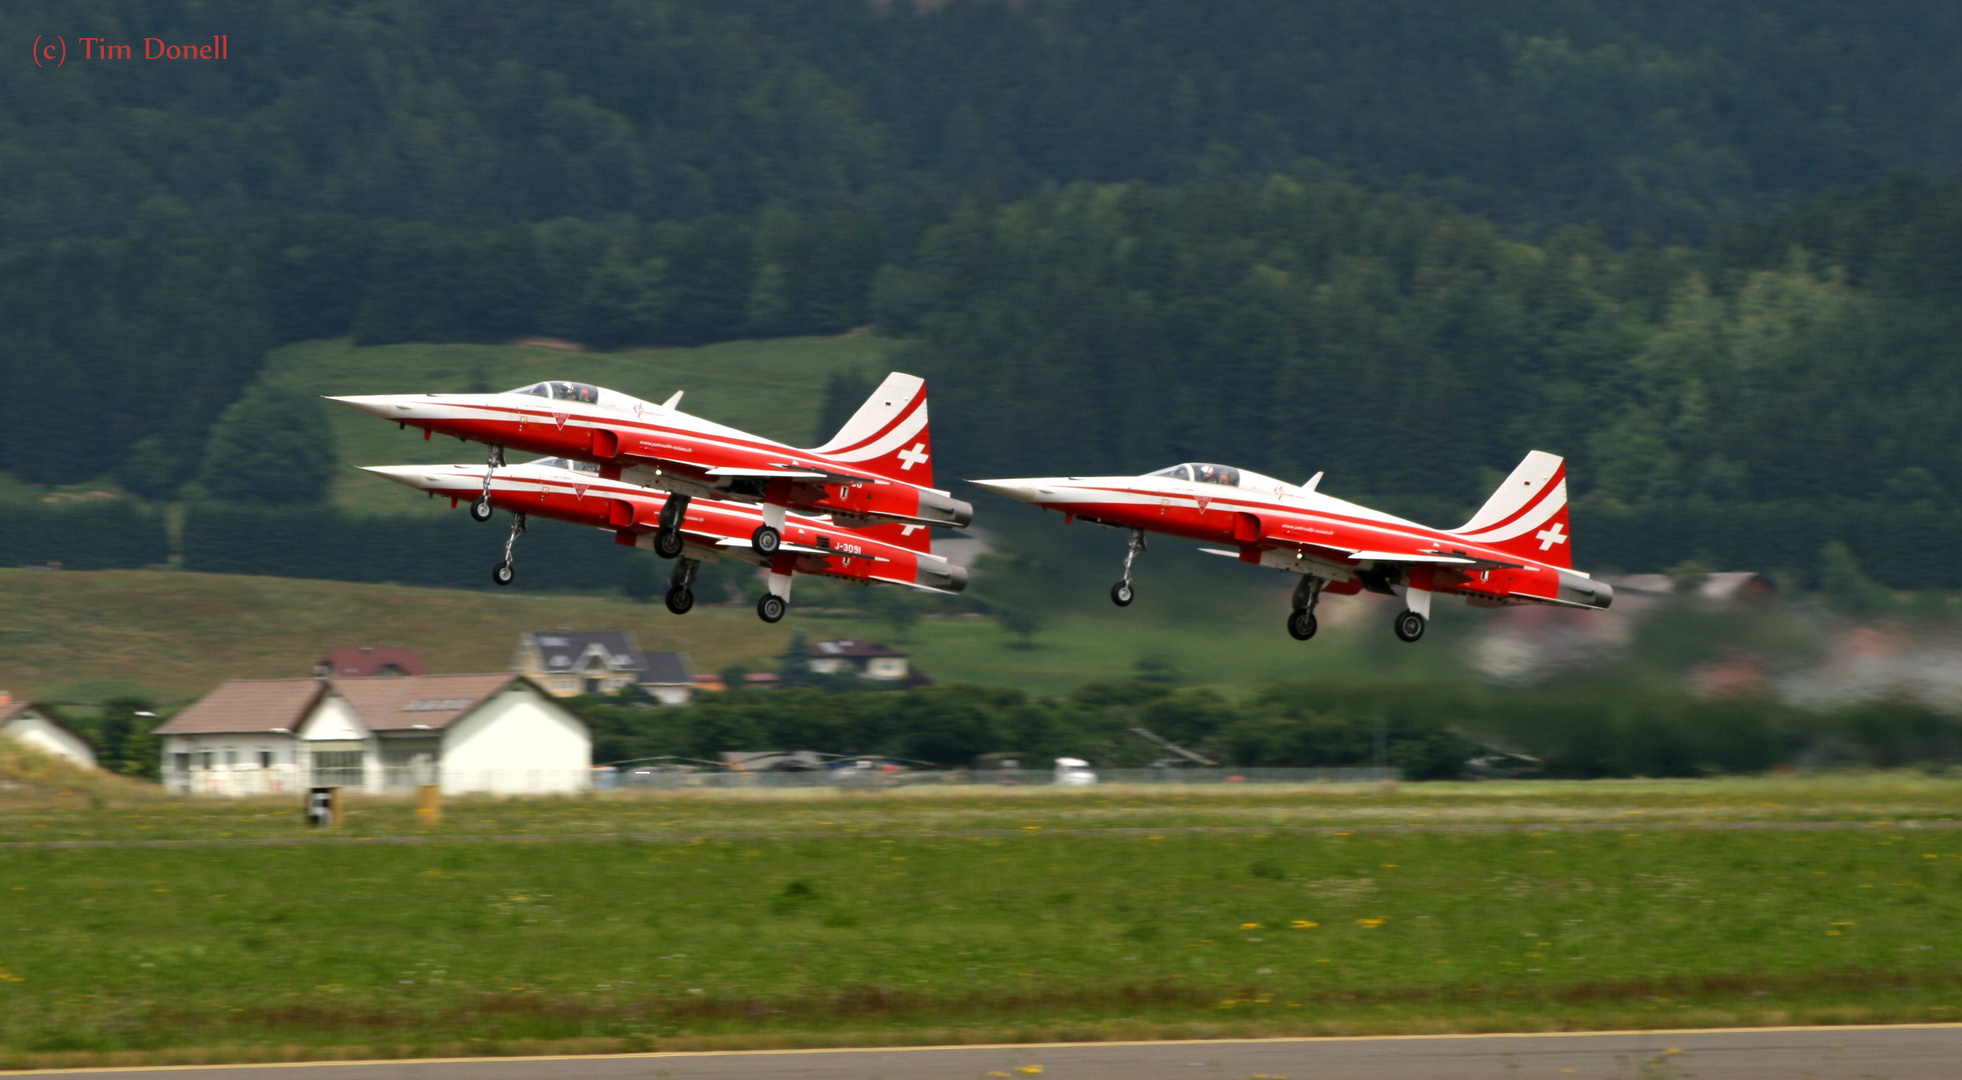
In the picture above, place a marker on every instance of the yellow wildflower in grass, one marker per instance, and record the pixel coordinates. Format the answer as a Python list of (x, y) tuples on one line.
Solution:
[(1370, 924), (1303, 924), (1249, 926)]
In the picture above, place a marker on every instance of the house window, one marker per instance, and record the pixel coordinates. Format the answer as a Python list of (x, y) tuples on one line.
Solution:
[(592, 686), (265, 759), (338, 764), (204, 759), (180, 762)]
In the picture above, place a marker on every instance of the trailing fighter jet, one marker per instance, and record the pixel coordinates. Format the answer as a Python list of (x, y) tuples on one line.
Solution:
[(707, 529), (1513, 551), (878, 469)]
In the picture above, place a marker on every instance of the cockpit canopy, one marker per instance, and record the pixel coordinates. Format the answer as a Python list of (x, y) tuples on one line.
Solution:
[(562, 391), (1224, 475), (563, 463)]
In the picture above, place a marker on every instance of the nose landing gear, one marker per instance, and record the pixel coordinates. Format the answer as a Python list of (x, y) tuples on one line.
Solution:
[(1301, 621), (681, 593), (667, 541), (1121, 593), (502, 573), (480, 511)]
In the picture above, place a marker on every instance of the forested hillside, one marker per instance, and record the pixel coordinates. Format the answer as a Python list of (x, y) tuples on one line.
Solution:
[(1707, 251), (1645, 115)]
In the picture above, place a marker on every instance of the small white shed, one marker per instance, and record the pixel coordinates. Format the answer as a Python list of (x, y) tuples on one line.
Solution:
[(41, 729)]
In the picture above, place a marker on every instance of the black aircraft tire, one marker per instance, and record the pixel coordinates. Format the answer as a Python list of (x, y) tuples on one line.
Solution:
[(503, 574), (1122, 594), (1302, 625), (681, 601), (667, 544), (1409, 626), (771, 608), (766, 541), (480, 510)]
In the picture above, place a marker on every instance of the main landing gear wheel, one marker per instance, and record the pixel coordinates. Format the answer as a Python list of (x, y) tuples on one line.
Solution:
[(681, 601), (667, 543), (766, 540), (1122, 594), (771, 608), (1302, 625), (480, 510), (1409, 626), (502, 573)]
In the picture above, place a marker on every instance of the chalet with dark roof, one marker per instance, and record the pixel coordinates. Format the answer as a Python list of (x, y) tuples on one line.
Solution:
[(572, 662)]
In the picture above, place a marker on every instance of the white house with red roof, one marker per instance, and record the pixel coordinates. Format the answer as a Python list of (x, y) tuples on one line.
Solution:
[(498, 733)]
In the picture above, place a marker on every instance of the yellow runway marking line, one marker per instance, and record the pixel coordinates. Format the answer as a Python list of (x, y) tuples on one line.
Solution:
[(1303, 1039)]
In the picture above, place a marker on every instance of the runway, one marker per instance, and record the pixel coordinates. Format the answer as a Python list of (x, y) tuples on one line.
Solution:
[(1893, 1052)]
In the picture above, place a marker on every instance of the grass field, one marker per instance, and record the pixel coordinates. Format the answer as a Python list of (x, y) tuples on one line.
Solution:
[(774, 388), (969, 916), (82, 636)]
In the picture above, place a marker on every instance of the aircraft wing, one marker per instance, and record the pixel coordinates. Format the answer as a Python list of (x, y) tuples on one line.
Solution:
[(1439, 558), (798, 472), (801, 549)]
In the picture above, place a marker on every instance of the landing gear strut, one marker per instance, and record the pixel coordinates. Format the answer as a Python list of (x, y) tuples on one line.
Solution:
[(681, 593), (667, 541), (502, 572), (1307, 595), (480, 510), (1121, 593)]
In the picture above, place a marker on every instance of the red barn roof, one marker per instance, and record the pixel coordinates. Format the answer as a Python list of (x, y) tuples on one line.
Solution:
[(361, 663)]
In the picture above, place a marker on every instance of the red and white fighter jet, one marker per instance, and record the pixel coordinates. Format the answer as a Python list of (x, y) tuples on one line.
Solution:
[(1513, 551), (879, 468), (574, 491)]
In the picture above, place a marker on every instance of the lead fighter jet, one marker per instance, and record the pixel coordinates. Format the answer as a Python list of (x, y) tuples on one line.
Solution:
[(574, 491), (878, 469), (1513, 551)]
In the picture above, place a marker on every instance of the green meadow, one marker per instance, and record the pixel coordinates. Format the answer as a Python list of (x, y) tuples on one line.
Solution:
[(968, 914)]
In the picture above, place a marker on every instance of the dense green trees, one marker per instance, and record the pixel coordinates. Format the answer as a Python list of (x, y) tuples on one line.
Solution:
[(1656, 116), (1428, 731)]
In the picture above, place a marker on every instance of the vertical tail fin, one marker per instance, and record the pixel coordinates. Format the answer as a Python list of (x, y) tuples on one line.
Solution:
[(1527, 515), (888, 436)]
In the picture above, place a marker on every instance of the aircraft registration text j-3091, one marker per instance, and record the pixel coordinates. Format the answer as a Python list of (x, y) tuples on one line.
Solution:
[(1513, 551)]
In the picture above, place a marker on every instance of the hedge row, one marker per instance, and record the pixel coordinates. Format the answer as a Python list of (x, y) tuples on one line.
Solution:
[(83, 536), (452, 550)]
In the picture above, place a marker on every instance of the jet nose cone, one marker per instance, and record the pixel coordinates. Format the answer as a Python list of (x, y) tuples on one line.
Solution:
[(1028, 491), (387, 406), (420, 477)]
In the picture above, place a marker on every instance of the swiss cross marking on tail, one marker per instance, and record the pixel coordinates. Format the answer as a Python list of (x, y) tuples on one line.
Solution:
[(1549, 537), (912, 457)]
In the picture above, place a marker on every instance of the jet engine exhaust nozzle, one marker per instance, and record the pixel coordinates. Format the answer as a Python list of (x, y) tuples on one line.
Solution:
[(941, 508), (1587, 592)]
